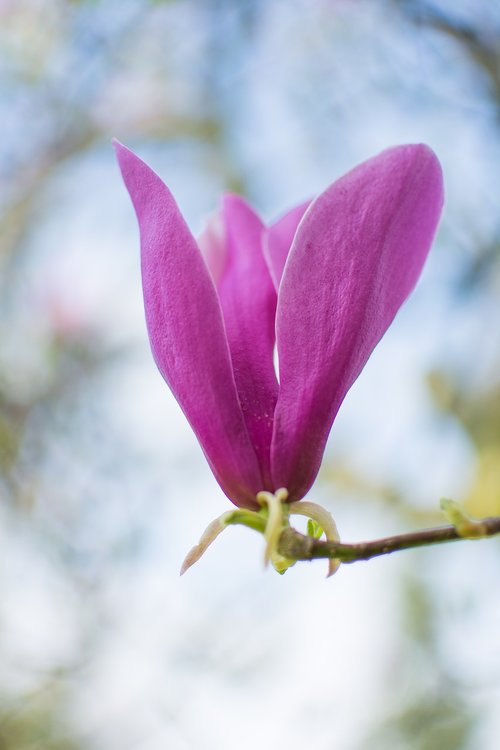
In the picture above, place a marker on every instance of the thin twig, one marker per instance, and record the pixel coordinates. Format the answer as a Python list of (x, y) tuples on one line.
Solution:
[(297, 546)]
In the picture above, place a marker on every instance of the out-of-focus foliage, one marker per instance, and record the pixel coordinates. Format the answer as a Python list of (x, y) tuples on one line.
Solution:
[(429, 710), (479, 414), (89, 626), (36, 721)]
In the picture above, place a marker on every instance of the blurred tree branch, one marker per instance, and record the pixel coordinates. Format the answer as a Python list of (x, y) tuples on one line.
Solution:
[(481, 45)]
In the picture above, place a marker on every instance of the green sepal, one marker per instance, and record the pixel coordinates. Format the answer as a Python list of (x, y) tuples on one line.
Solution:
[(252, 519)]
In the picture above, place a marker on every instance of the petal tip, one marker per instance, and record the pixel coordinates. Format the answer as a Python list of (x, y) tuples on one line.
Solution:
[(123, 154), (424, 153), (423, 161), (119, 147)]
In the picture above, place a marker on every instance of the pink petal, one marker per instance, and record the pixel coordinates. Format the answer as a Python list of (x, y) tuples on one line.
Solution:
[(212, 243), (248, 301), (278, 241), (187, 334), (357, 254)]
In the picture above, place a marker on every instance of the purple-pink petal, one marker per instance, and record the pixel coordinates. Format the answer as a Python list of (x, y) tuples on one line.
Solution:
[(187, 332), (278, 240), (248, 301), (356, 256)]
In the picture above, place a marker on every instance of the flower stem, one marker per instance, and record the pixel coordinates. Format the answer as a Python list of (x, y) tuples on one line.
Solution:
[(297, 546)]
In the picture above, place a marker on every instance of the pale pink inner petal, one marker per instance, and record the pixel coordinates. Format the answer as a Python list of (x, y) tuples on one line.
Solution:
[(357, 254), (212, 243), (278, 240)]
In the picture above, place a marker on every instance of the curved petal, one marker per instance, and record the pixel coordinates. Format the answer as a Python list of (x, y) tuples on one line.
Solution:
[(187, 334), (248, 301), (278, 241), (356, 256)]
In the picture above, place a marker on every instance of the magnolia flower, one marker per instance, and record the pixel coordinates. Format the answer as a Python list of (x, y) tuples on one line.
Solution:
[(322, 284)]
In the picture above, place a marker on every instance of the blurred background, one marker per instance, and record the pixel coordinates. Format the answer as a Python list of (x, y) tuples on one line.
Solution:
[(103, 488)]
